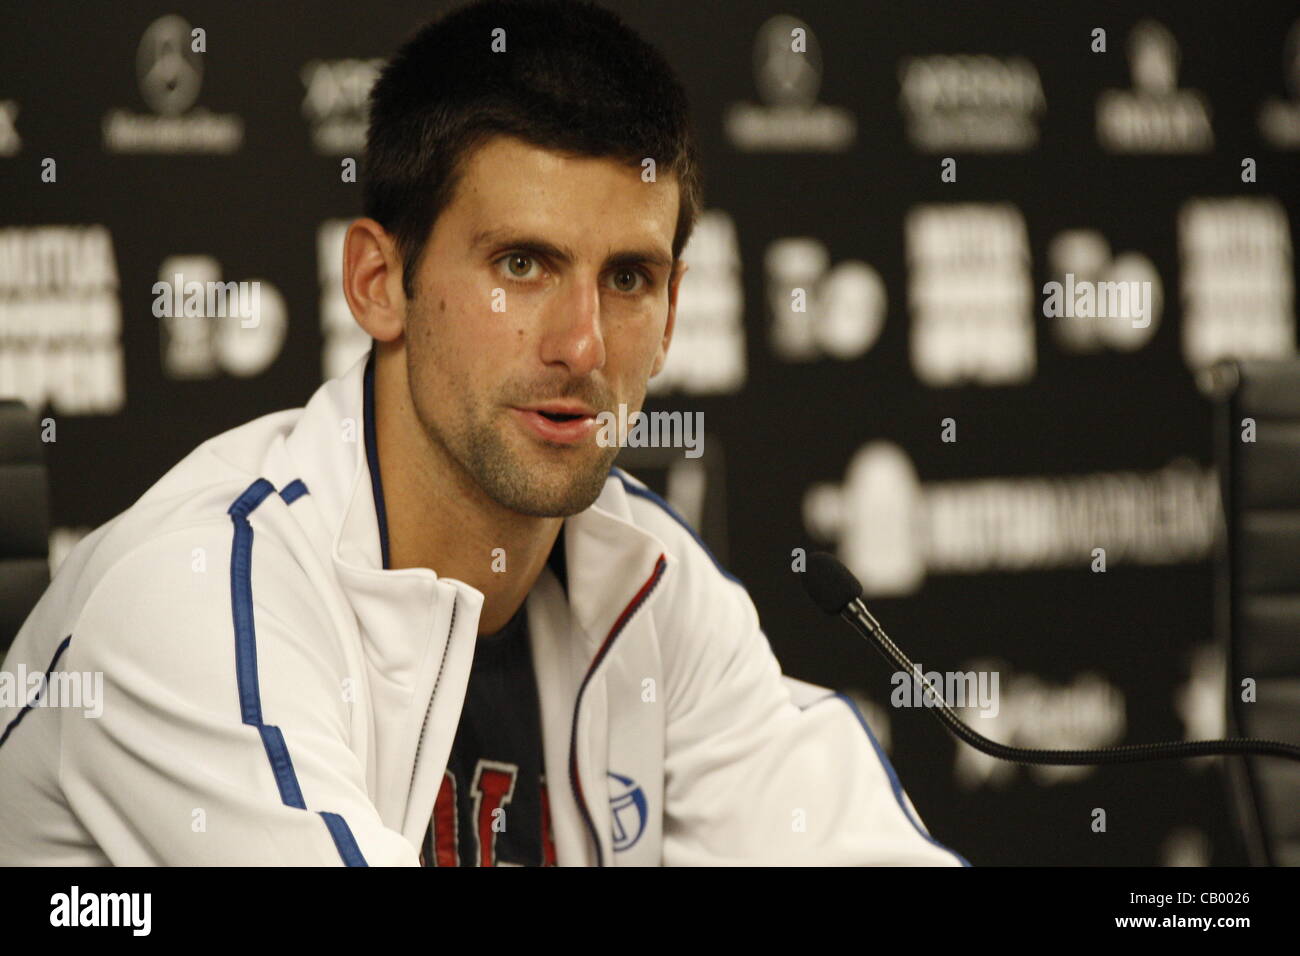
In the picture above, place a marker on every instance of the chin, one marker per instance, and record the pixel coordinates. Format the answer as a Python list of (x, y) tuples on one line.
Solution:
[(567, 495)]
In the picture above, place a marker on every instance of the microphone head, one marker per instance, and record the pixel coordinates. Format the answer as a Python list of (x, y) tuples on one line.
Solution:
[(829, 583)]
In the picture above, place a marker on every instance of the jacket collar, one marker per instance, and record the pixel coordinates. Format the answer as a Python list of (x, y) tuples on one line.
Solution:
[(606, 555)]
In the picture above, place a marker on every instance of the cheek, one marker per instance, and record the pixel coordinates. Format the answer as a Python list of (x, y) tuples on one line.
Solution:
[(647, 349), (438, 352), (471, 347), (455, 318), (628, 365)]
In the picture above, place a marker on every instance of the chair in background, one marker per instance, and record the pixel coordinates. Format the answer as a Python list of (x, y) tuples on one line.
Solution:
[(24, 518), (1258, 575)]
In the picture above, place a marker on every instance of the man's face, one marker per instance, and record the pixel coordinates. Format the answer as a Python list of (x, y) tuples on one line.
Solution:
[(570, 326)]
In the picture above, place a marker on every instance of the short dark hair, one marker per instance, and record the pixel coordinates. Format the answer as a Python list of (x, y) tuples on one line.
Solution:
[(574, 79)]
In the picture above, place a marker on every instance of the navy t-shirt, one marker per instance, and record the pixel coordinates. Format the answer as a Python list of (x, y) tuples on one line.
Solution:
[(492, 806)]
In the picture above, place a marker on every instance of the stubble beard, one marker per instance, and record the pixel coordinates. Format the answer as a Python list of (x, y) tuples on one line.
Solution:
[(564, 485), (563, 481)]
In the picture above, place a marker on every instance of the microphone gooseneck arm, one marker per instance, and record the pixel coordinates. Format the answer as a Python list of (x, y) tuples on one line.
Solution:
[(856, 613), (836, 591)]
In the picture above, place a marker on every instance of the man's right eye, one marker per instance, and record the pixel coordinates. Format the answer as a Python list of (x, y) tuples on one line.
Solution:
[(515, 259)]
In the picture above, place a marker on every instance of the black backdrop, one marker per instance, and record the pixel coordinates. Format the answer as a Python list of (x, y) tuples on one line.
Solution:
[(823, 171)]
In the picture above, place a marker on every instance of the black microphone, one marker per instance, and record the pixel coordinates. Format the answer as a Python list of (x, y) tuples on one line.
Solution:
[(835, 590)]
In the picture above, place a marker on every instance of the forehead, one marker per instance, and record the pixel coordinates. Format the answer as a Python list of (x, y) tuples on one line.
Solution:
[(584, 201)]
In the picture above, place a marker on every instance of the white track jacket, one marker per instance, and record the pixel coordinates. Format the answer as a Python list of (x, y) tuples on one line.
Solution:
[(272, 695)]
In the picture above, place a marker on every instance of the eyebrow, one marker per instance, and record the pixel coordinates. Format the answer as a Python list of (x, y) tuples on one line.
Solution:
[(526, 243)]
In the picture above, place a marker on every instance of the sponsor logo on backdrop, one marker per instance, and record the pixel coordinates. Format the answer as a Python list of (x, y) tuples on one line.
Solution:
[(61, 319), (335, 104), (1186, 846), (819, 309), (1279, 119), (970, 294), (1155, 116), (707, 353), (893, 529), (10, 141), (1237, 282), (209, 324), (1086, 713), (788, 76), (970, 103), (1199, 700), (170, 75), (1096, 300)]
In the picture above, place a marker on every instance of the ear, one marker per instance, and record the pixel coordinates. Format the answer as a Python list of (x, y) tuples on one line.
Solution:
[(372, 280), (674, 283)]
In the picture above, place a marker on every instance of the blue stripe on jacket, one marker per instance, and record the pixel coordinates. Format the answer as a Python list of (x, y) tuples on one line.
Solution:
[(250, 700)]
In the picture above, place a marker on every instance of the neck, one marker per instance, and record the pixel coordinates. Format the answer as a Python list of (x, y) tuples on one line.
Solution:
[(438, 516)]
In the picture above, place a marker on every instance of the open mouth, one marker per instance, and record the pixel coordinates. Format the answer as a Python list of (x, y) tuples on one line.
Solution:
[(557, 428)]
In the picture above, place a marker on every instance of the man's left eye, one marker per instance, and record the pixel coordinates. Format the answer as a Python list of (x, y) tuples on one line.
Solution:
[(516, 257), (633, 275)]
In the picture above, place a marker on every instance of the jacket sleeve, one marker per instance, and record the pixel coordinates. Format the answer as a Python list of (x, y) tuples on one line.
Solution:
[(751, 776), (224, 737)]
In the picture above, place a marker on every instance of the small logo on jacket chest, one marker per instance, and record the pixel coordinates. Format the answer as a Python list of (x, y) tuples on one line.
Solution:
[(628, 810)]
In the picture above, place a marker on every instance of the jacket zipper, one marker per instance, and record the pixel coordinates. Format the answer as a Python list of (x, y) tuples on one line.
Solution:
[(429, 709), (619, 625)]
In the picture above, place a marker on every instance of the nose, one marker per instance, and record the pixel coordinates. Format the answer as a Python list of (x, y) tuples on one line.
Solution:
[(573, 336)]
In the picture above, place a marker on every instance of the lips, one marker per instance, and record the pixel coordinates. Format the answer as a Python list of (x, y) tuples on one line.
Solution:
[(562, 410), (565, 423)]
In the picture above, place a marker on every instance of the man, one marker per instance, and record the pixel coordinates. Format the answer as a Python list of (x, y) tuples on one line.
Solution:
[(423, 619)]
